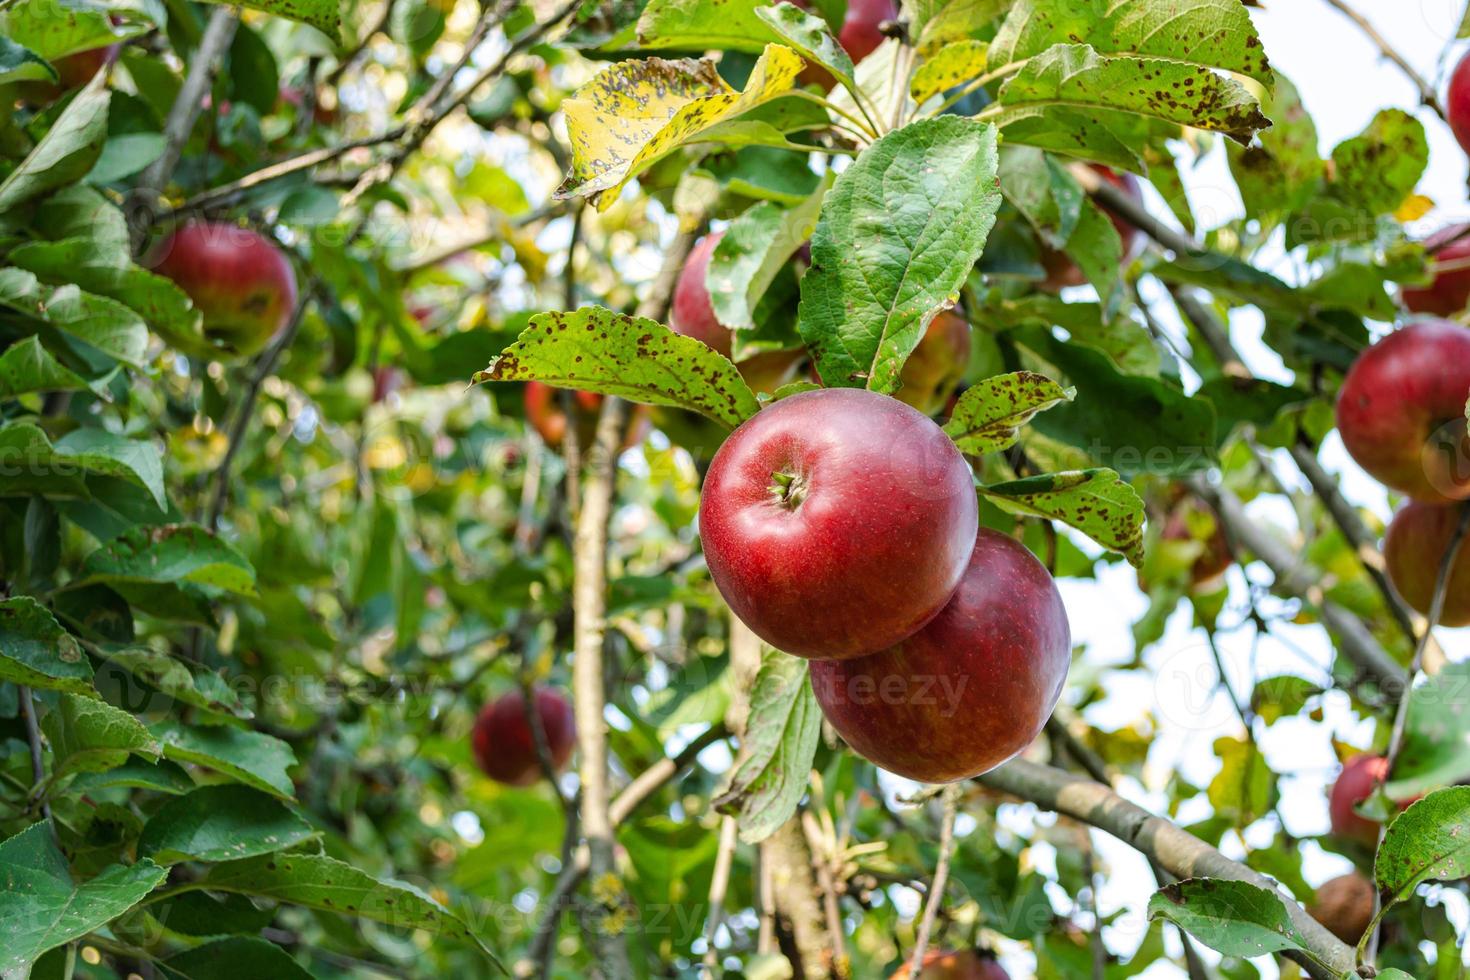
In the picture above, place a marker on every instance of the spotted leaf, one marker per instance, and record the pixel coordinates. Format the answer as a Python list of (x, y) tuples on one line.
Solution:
[(1095, 502)]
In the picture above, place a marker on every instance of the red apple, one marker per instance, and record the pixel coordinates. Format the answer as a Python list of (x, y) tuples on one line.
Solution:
[(966, 964), (544, 412), (693, 315), (1061, 271), (1401, 411), (386, 381), (938, 364), (1360, 776), (1448, 294), (970, 690), (1345, 906), (1457, 102), (238, 279), (504, 745), (837, 522), (1413, 549)]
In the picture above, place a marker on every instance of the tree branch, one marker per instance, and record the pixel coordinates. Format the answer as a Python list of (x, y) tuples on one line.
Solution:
[(1176, 850), (1427, 94), (33, 736), (941, 877)]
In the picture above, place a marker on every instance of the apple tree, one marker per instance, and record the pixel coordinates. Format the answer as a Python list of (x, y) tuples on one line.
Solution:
[(630, 488)]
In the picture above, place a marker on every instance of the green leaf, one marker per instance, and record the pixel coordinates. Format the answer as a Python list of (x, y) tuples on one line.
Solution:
[(1069, 80), (748, 257), (809, 36), (1245, 787), (1281, 696), (770, 775), (324, 15), (636, 358), (65, 153), (989, 415), (107, 452), (220, 823), (1129, 423), (235, 956), (319, 882), (1095, 502), (88, 735), (42, 907), (27, 366), (79, 262), (1430, 841), (103, 323), (1203, 33), (37, 652), (899, 231), (1380, 167), (205, 689), (54, 30), (1281, 171), (126, 154), (1436, 746), (695, 25), (1253, 401), (635, 112), (936, 22), (252, 758), (160, 777), (171, 554), (1127, 342), (20, 64), (1232, 917)]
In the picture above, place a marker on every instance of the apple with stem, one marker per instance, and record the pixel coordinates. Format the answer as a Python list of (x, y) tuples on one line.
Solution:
[(1449, 292), (1401, 411), (1062, 271), (1457, 102), (937, 365), (837, 522), (692, 314), (238, 279), (1418, 538), (971, 689), (505, 746)]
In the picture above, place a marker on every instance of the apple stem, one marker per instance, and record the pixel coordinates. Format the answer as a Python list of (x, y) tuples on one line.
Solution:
[(789, 488)]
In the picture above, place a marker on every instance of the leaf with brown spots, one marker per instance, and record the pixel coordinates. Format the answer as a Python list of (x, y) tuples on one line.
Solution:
[(811, 38), (1207, 33), (898, 232), (954, 63), (1231, 917), (1430, 841), (1071, 81), (594, 349), (989, 415), (635, 112), (1096, 502), (324, 15)]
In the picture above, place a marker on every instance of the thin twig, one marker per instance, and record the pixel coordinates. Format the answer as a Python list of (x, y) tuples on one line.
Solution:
[(941, 875), (38, 766), (1426, 91), (350, 58), (719, 883)]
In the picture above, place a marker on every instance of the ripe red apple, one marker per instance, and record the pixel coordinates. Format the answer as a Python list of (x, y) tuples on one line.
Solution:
[(238, 279), (965, 964), (938, 364), (1061, 271), (837, 522), (1345, 906), (544, 412), (1413, 549), (1360, 776), (1401, 410), (504, 745), (1457, 102), (970, 690), (1448, 294), (693, 315)]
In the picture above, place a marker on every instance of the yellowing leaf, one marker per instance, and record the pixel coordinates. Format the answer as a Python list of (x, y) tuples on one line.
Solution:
[(637, 111), (1415, 206), (948, 67)]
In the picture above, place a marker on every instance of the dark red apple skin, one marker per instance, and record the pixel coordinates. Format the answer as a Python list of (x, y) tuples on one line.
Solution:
[(1345, 906), (1417, 539), (504, 745), (1448, 294), (938, 364), (860, 34), (1360, 776), (693, 315), (238, 279), (873, 536), (1401, 411), (965, 964), (970, 690), (1457, 102), (1061, 271)]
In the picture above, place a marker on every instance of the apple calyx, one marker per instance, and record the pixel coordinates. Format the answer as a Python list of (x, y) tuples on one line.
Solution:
[(789, 489)]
